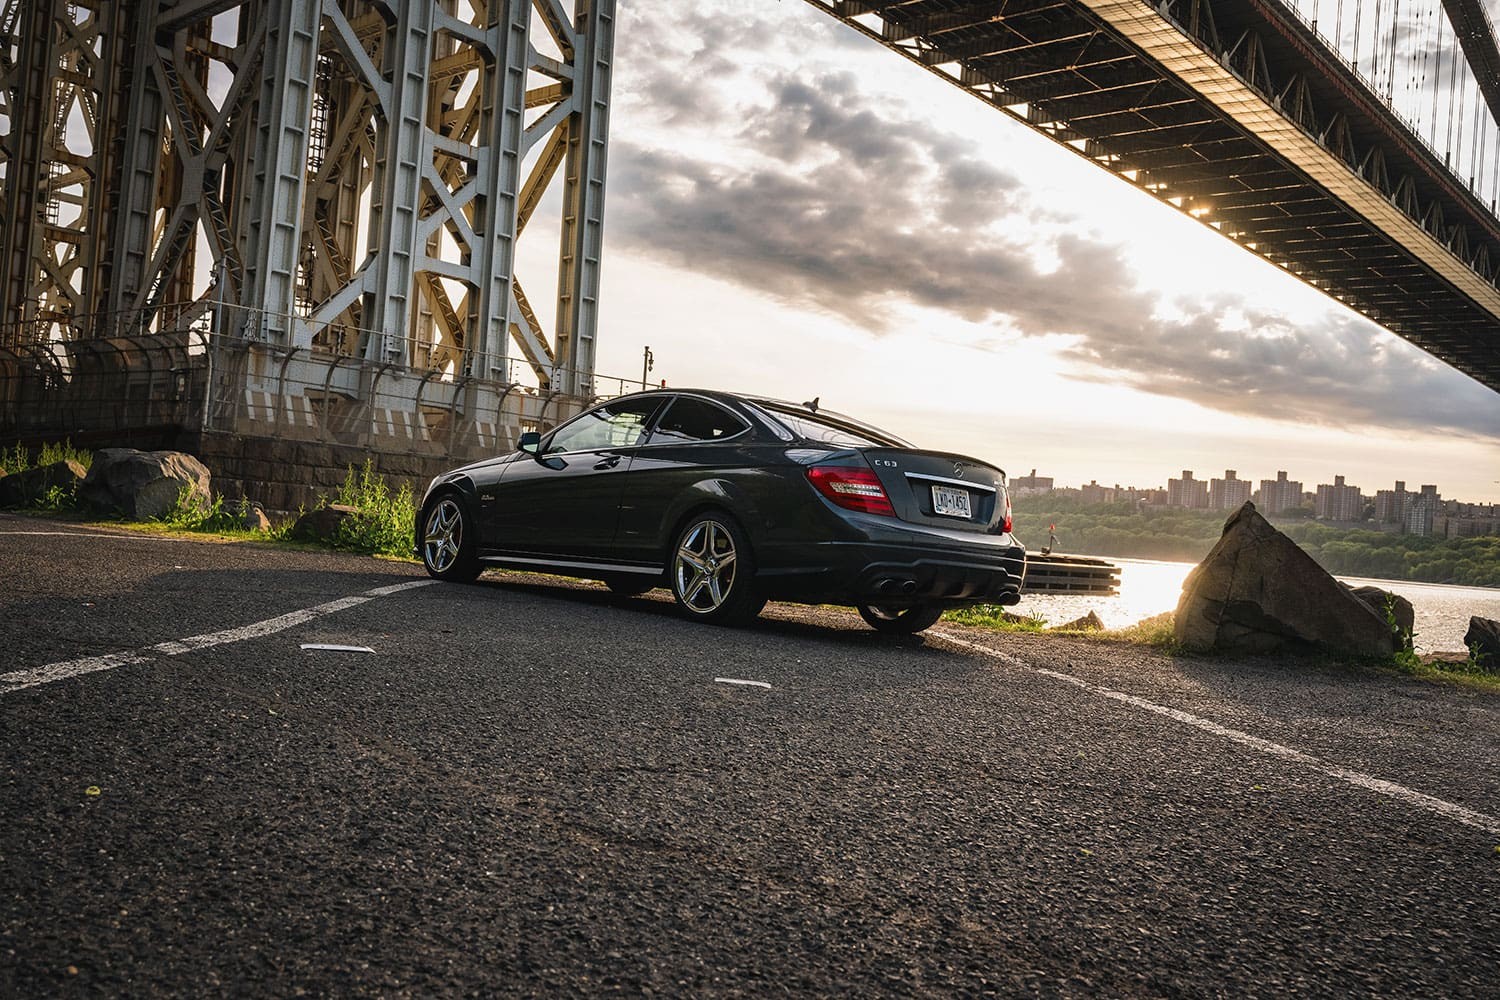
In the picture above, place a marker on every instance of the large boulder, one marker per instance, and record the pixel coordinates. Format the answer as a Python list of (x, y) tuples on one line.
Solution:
[(1483, 639), (322, 524), (1257, 592), (23, 489), (144, 485)]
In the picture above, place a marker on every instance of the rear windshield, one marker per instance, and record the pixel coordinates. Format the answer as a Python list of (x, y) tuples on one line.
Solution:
[(826, 430)]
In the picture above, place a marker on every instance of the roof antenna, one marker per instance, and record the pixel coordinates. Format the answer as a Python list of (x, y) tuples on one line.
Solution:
[(812, 404)]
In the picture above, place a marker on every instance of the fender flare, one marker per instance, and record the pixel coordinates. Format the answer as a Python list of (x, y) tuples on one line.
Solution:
[(710, 493)]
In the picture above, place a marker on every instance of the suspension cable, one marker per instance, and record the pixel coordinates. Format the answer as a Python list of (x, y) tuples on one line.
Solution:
[(1390, 73), (1437, 78)]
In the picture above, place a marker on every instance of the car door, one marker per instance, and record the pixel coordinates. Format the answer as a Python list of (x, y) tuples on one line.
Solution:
[(564, 501), (693, 439)]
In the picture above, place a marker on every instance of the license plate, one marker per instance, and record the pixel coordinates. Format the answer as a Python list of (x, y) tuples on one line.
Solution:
[(950, 502)]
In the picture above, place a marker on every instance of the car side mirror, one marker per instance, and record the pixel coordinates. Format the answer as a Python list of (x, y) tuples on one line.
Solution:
[(531, 442)]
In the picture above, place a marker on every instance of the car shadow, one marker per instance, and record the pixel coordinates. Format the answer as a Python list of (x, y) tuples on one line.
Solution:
[(834, 625)]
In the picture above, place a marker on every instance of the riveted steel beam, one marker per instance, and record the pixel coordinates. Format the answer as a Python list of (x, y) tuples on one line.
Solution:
[(583, 195)]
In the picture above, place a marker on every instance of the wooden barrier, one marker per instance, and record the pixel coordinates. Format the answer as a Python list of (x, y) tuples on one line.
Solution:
[(1059, 573)]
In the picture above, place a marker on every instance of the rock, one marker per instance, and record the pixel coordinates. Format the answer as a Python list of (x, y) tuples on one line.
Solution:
[(144, 485), (1088, 623), (1257, 592), (1483, 638), (1400, 609), (320, 525), (255, 518), (22, 489)]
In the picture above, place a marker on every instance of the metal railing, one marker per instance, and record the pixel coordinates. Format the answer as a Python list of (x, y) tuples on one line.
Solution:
[(188, 379)]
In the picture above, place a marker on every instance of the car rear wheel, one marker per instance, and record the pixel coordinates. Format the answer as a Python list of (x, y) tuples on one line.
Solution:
[(713, 576), (448, 549), (900, 621)]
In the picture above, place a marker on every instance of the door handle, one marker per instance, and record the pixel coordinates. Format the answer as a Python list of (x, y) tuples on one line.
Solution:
[(607, 463)]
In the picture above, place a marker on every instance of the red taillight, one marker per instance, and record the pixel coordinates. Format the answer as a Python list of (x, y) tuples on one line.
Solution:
[(852, 488), (1005, 525)]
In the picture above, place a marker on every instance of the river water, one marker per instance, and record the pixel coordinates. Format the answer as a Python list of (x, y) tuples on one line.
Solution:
[(1148, 588)]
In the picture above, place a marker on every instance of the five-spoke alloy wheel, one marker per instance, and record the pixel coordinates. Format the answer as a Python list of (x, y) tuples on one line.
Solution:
[(447, 541), (713, 578)]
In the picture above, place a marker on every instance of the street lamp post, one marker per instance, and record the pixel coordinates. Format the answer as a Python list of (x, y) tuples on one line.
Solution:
[(647, 363)]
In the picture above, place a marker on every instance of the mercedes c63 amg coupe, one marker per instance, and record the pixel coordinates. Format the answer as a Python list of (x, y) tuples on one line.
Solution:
[(730, 501)]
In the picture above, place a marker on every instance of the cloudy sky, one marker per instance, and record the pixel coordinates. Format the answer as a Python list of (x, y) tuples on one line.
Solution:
[(793, 210)]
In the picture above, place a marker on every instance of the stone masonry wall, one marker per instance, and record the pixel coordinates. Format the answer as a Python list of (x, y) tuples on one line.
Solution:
[(285, 475)]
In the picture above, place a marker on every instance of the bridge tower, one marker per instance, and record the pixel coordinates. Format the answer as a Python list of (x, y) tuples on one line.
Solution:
[(309, 210), (345, 176)]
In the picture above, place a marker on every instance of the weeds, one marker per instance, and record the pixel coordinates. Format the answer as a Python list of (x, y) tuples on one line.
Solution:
[(1157, 631), (64, 452), (187, 514), (19, 459), (993, 616), (55, 499), (382, 521)]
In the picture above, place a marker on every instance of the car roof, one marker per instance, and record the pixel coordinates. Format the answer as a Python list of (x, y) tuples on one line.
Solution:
[(827, 416)]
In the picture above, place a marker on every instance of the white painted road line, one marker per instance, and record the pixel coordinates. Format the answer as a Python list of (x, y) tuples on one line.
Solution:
[(335, 648), (734, 680), (100, 534), (1442, 807), (20, 679)]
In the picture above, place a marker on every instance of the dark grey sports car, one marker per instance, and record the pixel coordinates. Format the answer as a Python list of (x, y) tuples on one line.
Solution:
[(730, 501)]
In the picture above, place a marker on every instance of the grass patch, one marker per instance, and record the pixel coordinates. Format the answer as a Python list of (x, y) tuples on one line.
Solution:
[(382, 523), (56, 499), (993, 616), (1156, 632), (1451, 668), (217, 518), (19, 459)]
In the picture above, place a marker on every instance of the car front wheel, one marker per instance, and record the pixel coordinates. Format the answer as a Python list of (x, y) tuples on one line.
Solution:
[(448, 549), (900, 621), (713, 576)]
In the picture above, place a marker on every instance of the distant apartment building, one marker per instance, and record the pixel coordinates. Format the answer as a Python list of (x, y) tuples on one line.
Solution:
[(1422, 512), (1469, 520), (1338, 502), (1131, 495), (1229, 493), (1280, 494), (1030, 486), (1187, 492), (1094, 493), (1390, 505)]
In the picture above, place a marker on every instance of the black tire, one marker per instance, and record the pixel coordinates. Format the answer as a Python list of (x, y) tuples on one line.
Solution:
[(900, 621), (713, 571), (448, 544), (630, 584)]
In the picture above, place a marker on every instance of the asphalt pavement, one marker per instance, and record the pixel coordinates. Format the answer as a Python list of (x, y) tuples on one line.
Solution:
[(530, 787)]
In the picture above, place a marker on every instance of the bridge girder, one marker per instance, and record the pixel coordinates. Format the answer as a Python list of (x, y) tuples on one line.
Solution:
[(1260, 132)]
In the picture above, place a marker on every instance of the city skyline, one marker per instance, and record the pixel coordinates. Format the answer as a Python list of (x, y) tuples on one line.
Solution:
[(795, 211), (1253, 479)]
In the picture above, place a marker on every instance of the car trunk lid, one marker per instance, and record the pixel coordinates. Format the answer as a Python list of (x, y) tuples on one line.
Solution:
[(937, 488)]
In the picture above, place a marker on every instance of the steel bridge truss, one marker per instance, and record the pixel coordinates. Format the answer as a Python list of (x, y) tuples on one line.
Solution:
[(348, 177), (1236, 114)]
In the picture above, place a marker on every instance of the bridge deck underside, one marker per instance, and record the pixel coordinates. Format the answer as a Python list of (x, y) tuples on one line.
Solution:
[(1068, 75)]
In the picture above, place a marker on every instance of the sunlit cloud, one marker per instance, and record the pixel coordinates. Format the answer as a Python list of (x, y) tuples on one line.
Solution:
[(857, 211)]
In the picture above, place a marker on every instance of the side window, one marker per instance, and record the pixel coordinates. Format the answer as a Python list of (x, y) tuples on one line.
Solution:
[(690, 420), (614, 425)]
